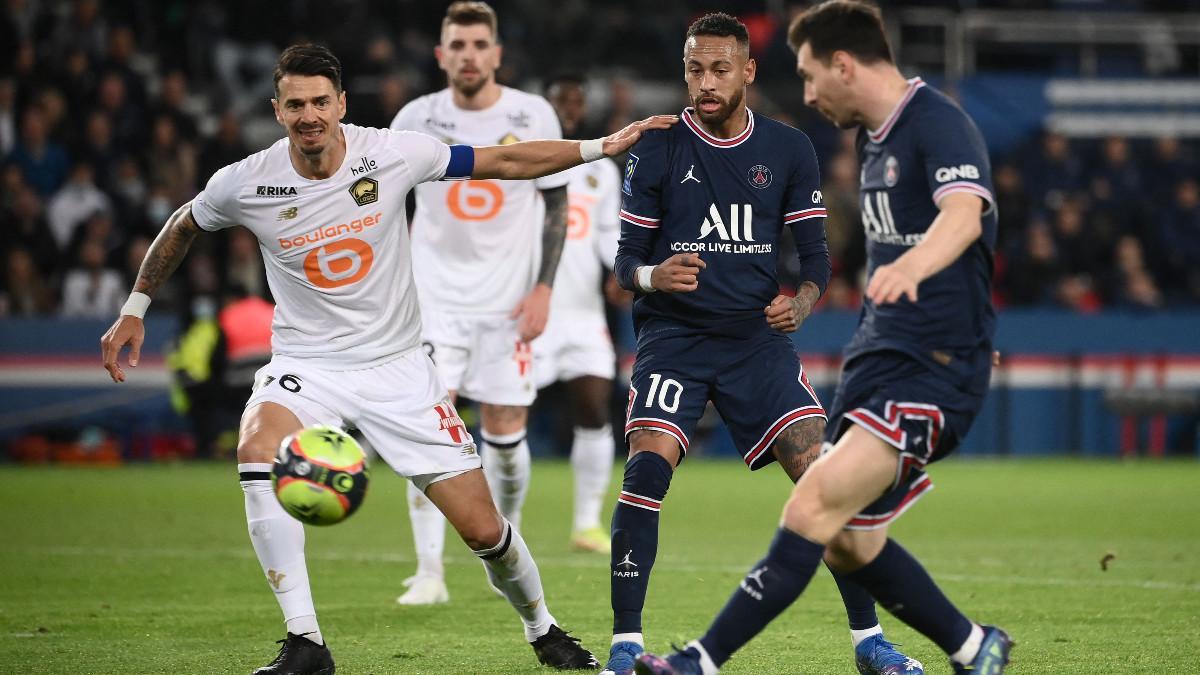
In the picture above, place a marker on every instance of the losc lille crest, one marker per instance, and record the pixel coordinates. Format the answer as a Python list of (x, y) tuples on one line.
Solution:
[(365, 191)]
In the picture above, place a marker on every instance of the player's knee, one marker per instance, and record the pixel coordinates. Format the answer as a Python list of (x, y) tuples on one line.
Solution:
[(256, 449), (656, 442), (849, 551), (482, 533), (799, 446)]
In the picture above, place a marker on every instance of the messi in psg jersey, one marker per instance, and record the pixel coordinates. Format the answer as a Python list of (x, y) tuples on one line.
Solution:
[(926, 149), (727, 200)]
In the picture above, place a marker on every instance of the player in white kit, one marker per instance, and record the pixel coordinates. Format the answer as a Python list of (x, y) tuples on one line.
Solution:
[(327, 206), (576, 348), (484, 259)]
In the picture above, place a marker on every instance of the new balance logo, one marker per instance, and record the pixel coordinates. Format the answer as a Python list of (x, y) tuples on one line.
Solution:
[(689, 175), (628, 565), (739, 228)]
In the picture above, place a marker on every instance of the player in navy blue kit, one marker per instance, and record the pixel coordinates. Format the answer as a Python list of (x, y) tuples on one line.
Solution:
[(703, 209), (918, 366)]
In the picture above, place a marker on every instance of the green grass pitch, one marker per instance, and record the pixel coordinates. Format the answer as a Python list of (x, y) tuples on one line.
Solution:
[(148, 569)]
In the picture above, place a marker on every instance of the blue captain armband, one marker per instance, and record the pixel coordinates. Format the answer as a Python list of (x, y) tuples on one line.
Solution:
[(461, 164)]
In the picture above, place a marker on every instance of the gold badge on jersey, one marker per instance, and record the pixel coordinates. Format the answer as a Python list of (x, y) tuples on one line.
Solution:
[(365, 191), (509, 139), (288, 213), (592, 182)]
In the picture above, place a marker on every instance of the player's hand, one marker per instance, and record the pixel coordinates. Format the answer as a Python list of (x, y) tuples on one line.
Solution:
[(786, 313), (616, 296), (678, 273), (620, 141), (891, 282), (532, 313), (127, 330)]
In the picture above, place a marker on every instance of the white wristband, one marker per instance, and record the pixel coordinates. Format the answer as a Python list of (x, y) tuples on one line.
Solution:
[(136, 305), (641, 277), (592, 150)]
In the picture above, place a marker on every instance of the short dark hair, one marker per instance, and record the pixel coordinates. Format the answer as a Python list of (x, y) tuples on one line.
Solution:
[(720, 24), (851, 26), (469, 13), (309, 59), (571, 77)]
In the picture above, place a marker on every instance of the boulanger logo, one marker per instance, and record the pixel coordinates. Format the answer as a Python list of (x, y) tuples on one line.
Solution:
[(365, 191), (339, 263), (475, 200)]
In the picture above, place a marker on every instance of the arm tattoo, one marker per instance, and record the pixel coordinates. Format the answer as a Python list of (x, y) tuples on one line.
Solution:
[(806, 298), (799, 446), (554, 233), (167, 251)]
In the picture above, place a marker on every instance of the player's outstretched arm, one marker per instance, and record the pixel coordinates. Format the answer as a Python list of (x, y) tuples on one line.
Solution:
[(956, 227), (165, 254), (534, 159)]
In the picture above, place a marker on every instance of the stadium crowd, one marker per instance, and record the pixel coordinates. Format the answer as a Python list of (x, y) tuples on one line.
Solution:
[(112, 115)]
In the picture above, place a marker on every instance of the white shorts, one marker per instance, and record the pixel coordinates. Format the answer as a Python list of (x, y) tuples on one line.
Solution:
[(400, 407), (480, 356), (574, 344)]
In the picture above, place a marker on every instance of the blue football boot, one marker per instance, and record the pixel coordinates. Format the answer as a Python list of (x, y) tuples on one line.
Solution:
[(877, 656), (621, 657), (992, 656), (681, 662)]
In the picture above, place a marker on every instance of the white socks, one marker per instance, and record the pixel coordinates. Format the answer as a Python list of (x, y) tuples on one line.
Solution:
[(278, 541), (511, 569), (592, 463), (506, 466), (969, 649), (858, 636), (429, 533)]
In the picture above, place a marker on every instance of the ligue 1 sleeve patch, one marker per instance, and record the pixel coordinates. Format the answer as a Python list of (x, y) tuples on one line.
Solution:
[(630, 167)]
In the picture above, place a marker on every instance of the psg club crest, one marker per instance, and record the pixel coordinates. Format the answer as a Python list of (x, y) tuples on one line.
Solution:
[(759, 176), (891, 171)]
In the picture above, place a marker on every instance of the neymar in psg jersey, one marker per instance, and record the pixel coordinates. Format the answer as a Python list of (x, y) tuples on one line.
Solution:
[(703, 209), (917, 369)]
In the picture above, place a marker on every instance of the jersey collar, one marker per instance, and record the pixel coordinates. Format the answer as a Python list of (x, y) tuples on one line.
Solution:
[(713, 140), (882, 133)]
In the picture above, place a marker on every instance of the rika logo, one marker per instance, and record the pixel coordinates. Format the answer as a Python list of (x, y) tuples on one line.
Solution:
[(630, 167), (450, 422), (759, 176), (740, 226), (275, 191), (364, 165), (949, 173), (365, 191)]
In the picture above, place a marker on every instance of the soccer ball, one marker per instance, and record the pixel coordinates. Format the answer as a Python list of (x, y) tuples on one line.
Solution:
[(320, 475)]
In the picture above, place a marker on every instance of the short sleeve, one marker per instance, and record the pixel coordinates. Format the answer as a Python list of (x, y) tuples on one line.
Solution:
[(549, 129), (956, 158), (216, 207), (803, 201), (641, 181), (430, 159)]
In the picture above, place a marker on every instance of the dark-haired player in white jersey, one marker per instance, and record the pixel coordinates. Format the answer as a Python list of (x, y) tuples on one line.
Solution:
[(327, 206)]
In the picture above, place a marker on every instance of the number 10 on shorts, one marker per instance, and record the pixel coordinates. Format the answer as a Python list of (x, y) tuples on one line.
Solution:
[(668, 392)]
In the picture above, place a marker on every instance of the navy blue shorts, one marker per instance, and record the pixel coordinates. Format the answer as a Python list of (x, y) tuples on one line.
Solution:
[(909, 407), (756, 383)]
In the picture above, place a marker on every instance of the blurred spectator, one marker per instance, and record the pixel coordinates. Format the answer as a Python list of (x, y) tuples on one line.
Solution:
[(98, 229), (1079, 249), (173, 103), (1169, 163), (43, 162), (122, 60), (379, 110), (54, 113), (24, 226), (1134, 288), (91, 290), (77, 79), (24, 292), (126, 117), (130, 190), (170, 163), (98, 148), (1053, 171), (1116, 189), (77, 200), (8, 116), (1034, 271), (83, 27), (244, 265), (225, 148), (1179, 237), (1012, 203)]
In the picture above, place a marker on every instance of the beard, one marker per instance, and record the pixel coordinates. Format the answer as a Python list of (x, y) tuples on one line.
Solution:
[(308, 150), (468, 88), (722, 114)]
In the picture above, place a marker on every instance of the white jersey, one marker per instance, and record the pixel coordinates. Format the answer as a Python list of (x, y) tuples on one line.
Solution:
[(593, 228), (477, 245), (336, 250)]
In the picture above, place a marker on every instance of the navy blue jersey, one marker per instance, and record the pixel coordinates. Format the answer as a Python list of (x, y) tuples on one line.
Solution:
[(928, 148), (686, 191)]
